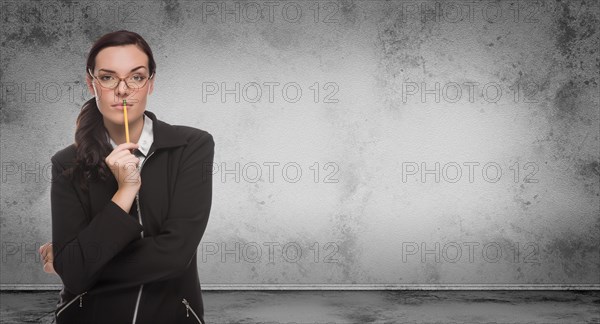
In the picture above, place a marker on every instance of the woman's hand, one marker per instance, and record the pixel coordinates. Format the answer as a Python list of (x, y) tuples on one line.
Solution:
[(48, 257), (124, 165)]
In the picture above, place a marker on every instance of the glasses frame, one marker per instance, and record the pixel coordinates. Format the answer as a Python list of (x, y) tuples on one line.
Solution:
[(119, 82)]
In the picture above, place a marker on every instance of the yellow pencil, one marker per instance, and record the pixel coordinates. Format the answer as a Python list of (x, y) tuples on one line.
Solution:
[(126, 121)]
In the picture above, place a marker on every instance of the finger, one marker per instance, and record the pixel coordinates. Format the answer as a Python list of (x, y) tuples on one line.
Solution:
[(116, 157), (129, 164), (121, 161), (46, 248), (43, 247), (49, 268), (47, 253), (44, 252), (126, 147)]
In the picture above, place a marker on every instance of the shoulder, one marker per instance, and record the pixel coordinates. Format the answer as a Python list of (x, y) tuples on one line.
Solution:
[(193, 136), (192, 133), (198, 144), (175, 135), (65, 156), (198, 140)]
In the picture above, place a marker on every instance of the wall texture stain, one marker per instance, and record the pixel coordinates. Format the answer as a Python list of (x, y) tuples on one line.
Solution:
[(576, 22), (436, 144), (173, 13)]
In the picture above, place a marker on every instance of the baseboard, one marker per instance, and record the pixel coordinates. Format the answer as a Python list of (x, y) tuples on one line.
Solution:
[(208, 287)]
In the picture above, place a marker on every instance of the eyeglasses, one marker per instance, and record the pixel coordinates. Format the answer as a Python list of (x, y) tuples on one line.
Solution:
[(110, 81)]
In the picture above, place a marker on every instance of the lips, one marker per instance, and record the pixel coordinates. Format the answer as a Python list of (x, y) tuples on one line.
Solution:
[(120, 106)]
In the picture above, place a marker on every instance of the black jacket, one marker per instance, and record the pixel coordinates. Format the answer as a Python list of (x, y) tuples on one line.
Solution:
[(116, 265)]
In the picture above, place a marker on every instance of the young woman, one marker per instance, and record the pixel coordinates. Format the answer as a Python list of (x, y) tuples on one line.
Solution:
[(127, 218)]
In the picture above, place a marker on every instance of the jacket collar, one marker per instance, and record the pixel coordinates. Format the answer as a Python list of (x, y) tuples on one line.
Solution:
[(165, 135), (146, 138)]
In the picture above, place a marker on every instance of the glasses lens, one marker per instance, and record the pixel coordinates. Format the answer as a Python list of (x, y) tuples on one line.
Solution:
[(137, 81), (108, 80)]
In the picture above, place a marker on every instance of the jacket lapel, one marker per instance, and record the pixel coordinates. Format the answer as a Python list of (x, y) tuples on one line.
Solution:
[(165, 135)]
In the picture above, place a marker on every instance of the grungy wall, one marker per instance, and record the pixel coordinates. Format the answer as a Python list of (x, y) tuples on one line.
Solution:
[(357, 142)]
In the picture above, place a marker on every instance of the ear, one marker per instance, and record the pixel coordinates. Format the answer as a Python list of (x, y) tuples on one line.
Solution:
[(88, 81), (151, 84)]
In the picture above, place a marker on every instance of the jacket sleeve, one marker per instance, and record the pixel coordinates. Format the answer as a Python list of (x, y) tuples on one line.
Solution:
[(169, 253), (82, 247)]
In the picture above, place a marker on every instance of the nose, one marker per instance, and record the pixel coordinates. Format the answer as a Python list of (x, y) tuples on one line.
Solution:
[(122, 89)]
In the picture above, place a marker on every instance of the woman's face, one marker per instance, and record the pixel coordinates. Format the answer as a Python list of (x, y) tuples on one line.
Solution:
[(129, 63)]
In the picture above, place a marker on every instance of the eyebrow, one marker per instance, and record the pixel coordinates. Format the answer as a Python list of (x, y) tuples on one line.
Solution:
[(139, 67)]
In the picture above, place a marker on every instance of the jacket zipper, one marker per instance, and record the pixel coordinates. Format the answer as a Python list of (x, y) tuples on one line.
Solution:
[(189, 308), (137, 201), (80, 296)]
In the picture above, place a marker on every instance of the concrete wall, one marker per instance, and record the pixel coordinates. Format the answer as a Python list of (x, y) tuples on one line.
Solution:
[(453, 143)]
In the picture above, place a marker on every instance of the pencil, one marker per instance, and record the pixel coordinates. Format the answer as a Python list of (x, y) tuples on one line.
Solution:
[(126, 121)]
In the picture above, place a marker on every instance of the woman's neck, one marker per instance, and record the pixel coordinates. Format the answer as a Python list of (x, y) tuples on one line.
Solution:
[(117, 132)]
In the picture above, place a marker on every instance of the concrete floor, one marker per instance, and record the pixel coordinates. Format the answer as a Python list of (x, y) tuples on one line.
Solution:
[(358, 306)]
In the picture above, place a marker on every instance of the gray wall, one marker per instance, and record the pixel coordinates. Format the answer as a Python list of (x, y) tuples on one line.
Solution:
[(455, 148)]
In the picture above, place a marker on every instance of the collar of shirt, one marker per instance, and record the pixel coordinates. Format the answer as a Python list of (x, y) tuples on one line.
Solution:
[(146, 138)]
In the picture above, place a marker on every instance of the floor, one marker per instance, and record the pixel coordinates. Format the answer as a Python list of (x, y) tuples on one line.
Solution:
[(357, 306)]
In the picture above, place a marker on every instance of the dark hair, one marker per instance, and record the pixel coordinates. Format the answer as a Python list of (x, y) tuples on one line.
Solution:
[(91, 143)]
